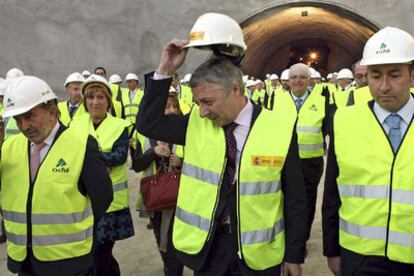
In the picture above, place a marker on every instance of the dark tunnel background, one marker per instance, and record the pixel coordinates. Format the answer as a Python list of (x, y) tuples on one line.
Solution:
[(325, 36)]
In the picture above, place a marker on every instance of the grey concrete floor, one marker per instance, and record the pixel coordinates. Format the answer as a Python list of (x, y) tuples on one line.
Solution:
[(139, 255)]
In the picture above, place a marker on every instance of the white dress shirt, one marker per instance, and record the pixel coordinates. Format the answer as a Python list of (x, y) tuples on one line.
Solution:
[(132, 94), (406, 113), (303, 98), (243, 126), (48, 142)]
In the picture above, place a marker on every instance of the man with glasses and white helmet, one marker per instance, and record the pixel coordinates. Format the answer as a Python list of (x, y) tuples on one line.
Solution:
[(50, 196), (368, 209), (240, 160)]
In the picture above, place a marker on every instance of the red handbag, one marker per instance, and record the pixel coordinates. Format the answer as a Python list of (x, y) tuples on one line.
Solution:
[(160, 191)]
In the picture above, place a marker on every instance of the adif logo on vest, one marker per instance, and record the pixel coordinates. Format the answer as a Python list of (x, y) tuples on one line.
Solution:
[(383, 49), (9, 102), (61, 167), (313, 107)]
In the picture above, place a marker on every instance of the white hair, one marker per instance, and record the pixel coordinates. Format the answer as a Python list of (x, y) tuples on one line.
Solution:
[(300, 66)]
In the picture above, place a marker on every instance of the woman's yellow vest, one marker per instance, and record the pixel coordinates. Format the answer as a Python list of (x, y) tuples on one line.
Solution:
[(309, 125), (260, 232), (376, 187), (106, 135), (65, 118), (61, 218)]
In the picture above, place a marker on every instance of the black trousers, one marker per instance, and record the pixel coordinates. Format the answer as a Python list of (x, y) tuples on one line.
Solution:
[(359, 265), (172, 265), (222, 259), (105, 263), (312, 171)]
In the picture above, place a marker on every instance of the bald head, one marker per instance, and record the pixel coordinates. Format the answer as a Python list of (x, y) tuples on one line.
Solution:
[(299, 78)]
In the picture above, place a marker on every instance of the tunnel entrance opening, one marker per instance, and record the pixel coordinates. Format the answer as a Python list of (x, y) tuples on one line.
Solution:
[(325, 36)]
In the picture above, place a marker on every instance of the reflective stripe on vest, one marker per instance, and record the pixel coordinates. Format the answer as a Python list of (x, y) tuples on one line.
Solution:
[(308, 129), (377, 233), (376, 186), (120, 186), (260, 241), (48, 218)]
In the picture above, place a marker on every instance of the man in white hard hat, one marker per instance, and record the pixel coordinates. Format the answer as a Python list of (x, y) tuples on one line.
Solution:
[(228, 223), (284, 79), (273, 89), (131, 98), (51, 196), (73, 107), (115, 84), (360, 93), (313, 122), (369, 188), (345, 84)]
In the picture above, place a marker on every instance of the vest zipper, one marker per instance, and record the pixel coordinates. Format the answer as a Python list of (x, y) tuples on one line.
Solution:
[(217, 199)]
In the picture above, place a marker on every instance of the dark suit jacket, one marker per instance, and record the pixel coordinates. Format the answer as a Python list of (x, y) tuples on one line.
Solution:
[(94, 182), (152, 123)]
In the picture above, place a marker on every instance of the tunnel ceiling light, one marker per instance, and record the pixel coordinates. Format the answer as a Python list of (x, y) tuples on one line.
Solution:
[(313, 55)]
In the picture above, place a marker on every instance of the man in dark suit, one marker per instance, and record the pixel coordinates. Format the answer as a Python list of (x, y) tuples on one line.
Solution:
[(44, 186), (219, 93)]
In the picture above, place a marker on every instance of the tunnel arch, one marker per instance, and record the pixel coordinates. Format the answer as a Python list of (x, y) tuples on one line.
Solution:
[(326, 35)]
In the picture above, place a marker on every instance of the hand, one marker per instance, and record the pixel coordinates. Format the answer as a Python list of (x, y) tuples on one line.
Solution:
[(291, 269), (109, 169), (175, 161), (162, 150), (172, 57), (334, 264)]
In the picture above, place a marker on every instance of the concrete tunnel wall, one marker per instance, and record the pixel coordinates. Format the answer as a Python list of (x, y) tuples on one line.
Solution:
[(52, 38)]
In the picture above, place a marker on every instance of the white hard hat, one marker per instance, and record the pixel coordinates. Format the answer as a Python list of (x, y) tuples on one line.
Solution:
[(345, 74), (258, 81), (267, 75), (74, 77), (24, 93), (312, 70), (316, 75), (1, 79), (245, 78), (14, 73), (98, 80), (250, 83), (131, 76), (187, 78), (86, 73), (285, 75), (274, 77), (4, 84), (217, 29), (387, 46), (330, 75), (115, 78)]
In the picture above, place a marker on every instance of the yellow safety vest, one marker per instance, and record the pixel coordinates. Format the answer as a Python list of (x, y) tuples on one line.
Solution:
[(106, 135), (11, 128), (309, 124), (186, 94), (376, 187), (361, 95), (261, 237), (65, 118), (131, 108), (61, 218)]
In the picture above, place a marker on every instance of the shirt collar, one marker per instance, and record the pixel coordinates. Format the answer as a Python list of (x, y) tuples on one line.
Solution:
[(73, 105), (245, 115), (304, 96), (406, 112)]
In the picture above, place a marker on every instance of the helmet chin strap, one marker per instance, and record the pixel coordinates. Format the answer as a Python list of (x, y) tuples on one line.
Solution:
[(236, 60)]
